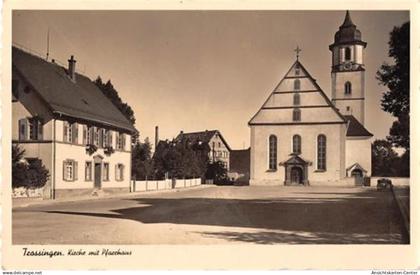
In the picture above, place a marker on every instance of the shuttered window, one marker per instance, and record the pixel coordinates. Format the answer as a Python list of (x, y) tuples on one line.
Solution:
[(105, 171), (30, 129), (119, 172), (69, 170)]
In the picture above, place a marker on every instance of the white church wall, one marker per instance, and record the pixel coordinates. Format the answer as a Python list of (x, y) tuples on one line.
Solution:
[(359, 151), (260, 173)]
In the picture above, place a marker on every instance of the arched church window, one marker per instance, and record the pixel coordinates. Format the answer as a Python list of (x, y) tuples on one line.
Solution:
[(272, 152), (347, 88), (297, 144), (322, 152), (296, 99), (296, 114), (347, 54), (297, 84)]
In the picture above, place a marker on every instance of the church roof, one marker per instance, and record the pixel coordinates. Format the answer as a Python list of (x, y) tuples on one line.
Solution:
[(314, 106), (78, 99), (348, 33), (355, 128)]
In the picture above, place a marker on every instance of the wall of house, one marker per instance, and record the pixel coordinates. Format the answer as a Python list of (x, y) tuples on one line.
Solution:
[(219, 151), (359, 150), (78, 153), (260, 173)]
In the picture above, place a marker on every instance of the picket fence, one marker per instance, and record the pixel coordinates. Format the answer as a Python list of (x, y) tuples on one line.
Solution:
[(154, 185)]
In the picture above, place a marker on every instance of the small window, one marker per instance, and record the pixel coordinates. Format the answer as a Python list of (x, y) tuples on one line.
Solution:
[(297, 70), (120, 141), (296, 84), (88, 171), (119, 172), (69, 170), (220, 145), (296, 99), (105, 171), (35, 128), (348, 108), (296, 114), (347, 54), (347, 88), (297, 144), (272, 150)]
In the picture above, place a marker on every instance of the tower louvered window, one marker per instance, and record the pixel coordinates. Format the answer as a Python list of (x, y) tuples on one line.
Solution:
[(347, 54), (347, 88)]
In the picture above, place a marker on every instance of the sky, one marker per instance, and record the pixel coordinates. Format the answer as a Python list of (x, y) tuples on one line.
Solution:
[(198, 70)]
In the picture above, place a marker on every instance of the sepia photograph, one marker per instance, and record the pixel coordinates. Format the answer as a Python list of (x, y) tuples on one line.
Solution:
[(210, 127)]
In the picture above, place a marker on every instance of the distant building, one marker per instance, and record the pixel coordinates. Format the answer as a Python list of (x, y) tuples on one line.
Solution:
[(300, 136), (219, 148), (62, 118)]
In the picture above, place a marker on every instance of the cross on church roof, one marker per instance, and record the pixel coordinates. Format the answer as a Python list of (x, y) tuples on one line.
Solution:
[(297, 50)]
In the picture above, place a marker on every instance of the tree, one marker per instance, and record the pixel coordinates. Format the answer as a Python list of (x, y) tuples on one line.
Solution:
[(396, 78), (109, 91), (141, 161), (218, 172), (384, 159), (30, 175)]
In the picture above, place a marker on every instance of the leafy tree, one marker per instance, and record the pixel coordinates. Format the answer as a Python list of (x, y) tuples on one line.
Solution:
[(141, 161), (32, 175), (396, 78), (218, 172), (384, 159), (109, 91)]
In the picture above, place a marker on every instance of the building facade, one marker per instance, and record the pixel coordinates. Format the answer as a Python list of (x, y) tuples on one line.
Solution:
[(61, 118), (219, 148), (300, 136)]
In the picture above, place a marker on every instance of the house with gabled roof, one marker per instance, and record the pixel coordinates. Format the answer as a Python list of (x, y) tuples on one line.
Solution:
[(301, 136), (219, 148), (62, 118)]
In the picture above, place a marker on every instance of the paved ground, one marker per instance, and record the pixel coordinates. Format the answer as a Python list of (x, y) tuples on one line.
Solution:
[(214, 215)]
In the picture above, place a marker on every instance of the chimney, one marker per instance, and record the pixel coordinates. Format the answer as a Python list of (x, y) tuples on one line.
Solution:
[(72, 68), (156, 136)]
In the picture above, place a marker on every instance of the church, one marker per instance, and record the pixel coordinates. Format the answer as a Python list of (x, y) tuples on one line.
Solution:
[(301, 136)]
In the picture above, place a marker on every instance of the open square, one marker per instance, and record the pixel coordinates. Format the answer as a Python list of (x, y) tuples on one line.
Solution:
[(218, 215)]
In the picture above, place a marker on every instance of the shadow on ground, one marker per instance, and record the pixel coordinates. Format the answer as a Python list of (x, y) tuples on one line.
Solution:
[(341, 218)]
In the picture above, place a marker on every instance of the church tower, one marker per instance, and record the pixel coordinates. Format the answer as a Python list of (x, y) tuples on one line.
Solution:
[(348, 70)]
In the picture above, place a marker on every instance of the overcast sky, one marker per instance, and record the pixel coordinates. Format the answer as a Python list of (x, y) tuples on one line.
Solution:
[(198, 70)]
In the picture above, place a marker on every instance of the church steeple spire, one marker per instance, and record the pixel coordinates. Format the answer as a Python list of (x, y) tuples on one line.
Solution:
[(347, 20)]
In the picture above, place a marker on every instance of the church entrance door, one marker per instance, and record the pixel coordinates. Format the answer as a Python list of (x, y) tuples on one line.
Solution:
[(296, 175), (358, 176)]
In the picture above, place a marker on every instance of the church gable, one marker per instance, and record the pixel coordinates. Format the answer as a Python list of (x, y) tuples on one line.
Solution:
[(297, 99)]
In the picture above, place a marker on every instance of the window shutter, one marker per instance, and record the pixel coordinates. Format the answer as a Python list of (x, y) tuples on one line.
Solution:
[(23, 129), (122, 172), (64, 170), (40, 129), (84, 135), (110, 138), (101, 138), (116, 172), (75, 170), (65, 131), (123, 142), (75, 132)]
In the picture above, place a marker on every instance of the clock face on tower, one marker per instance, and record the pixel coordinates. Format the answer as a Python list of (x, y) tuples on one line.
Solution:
[(347, 66)]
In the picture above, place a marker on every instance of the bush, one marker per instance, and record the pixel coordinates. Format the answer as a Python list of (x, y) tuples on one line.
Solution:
[(30, 175)]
